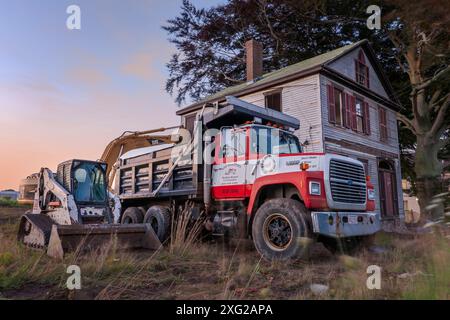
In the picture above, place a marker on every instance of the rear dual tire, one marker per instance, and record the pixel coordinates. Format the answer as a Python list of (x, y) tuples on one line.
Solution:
[(159, 218), (281, 229)]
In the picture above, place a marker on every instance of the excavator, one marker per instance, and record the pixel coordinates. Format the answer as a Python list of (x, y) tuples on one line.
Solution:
[(76, 208)]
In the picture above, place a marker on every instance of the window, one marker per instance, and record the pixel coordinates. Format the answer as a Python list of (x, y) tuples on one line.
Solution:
[(273, 101), (265, 140), (361, 70), (89, 183), (359, 116), (232, 143), (189, 122), (383, 124)]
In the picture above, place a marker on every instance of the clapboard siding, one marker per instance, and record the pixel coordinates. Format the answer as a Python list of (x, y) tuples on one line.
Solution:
[(300, 99), (373, 140), (346, 66)]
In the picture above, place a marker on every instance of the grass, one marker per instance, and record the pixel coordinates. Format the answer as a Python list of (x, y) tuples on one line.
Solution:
[(6, 202), (186, 268)]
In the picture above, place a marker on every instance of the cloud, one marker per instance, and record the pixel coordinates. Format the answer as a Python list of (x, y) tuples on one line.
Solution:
[(140, 66), (86, 75)]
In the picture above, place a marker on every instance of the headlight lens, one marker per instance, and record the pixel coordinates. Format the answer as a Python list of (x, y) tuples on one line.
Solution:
[(314, 188), (370, 194)]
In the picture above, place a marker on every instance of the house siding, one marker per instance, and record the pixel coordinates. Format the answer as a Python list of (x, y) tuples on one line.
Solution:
[(346, 66), (388, 149), (300, 99)]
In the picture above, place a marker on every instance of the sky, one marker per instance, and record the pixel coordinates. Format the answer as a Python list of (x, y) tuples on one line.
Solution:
[(65, 94)]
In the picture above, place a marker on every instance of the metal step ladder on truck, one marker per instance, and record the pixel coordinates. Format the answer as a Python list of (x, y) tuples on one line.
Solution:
[(247, 172)]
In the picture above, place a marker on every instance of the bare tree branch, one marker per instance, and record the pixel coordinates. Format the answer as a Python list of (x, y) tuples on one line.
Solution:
[(436, 77), (439, 121), (407, 122)]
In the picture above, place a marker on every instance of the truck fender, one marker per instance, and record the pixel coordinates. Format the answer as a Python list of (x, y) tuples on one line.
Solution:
[(299, 180)]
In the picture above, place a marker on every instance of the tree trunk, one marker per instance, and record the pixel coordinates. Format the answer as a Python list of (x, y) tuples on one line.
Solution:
[(428, 182)]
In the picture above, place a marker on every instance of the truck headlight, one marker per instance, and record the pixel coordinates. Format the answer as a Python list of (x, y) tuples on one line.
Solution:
[(314, 188), (370, 194)]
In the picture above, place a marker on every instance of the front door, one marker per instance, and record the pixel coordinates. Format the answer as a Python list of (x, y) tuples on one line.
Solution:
[(387, 189)]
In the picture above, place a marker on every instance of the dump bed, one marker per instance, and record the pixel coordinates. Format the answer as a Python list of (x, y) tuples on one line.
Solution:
[(139, 176)]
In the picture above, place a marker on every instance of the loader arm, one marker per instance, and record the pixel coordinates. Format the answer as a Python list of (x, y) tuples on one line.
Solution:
[(48, 188), (131, 140)]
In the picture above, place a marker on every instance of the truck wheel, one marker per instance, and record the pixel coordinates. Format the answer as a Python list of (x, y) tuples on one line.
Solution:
[(132, 215), (278, 229), (159, 219)]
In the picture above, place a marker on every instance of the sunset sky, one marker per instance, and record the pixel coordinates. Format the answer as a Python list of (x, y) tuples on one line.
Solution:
[(66, 93)]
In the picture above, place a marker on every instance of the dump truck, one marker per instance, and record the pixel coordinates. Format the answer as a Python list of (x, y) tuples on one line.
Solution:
[(245, 170), (73, 211)]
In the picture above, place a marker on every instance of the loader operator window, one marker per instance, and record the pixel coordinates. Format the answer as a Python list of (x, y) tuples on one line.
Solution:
[(89, 183)]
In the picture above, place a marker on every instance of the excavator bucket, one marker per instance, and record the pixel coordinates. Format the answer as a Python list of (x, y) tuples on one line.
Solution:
[(70, 238)]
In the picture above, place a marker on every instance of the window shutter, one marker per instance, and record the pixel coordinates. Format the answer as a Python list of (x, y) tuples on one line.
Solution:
[(366, 115), (346, 111), (353, 113), (331, 104), (356, 70), (367, 77), (383, 125)]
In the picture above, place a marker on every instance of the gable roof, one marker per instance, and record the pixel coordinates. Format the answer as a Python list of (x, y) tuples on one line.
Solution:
[(297, 70)]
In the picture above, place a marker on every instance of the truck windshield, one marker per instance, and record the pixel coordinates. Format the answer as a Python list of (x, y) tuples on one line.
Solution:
[(267, 140), (89, 183)]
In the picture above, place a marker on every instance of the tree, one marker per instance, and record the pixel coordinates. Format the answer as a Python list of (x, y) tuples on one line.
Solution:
[(420, 32), (211, 50)]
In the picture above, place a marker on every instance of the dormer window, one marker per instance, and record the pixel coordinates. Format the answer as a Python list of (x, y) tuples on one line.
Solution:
[(362, 70)]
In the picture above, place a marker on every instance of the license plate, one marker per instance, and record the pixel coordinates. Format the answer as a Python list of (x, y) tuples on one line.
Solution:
[(353, 219)]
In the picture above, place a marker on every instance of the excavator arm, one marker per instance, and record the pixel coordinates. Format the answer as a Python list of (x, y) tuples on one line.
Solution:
[(131, 140)]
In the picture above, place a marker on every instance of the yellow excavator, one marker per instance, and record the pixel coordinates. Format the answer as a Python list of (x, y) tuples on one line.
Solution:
[(76, 209)]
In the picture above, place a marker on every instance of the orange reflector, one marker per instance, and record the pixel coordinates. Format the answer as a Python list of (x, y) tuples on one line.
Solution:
[(304, 166), (367, 178), (54, 204)]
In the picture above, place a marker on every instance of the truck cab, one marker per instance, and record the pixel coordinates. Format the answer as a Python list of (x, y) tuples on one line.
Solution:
[(256, 163)]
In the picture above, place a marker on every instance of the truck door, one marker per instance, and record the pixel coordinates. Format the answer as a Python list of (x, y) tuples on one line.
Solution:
[(229, 172)]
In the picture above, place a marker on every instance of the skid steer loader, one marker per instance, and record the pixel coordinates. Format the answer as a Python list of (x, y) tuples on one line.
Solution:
[(73, 210)]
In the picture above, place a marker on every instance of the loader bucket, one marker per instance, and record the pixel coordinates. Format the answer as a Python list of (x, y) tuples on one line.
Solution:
[(69, 238)]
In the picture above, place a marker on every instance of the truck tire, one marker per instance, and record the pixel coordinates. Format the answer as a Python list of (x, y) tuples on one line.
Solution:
[(279, 228), (132, 215), (159, 218)]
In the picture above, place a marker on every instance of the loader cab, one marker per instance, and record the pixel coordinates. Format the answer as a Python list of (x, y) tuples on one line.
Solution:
[(85, 180)]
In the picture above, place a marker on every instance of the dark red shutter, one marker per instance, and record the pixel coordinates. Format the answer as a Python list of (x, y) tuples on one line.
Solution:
[(367, 77), (346, 119), (356, 70), (331, 104), (353, 113), (366, 116)]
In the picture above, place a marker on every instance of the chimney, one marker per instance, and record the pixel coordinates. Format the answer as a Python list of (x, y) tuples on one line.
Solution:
[(253, 52)]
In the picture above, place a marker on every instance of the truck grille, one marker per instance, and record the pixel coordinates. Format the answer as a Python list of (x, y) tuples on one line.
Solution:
[(347, 182)]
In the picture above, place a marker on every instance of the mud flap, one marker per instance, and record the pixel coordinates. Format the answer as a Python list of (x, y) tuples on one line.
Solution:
[(70, 238)]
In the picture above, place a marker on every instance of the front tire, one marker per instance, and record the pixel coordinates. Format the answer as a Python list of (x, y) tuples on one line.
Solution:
[(280, 229)]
